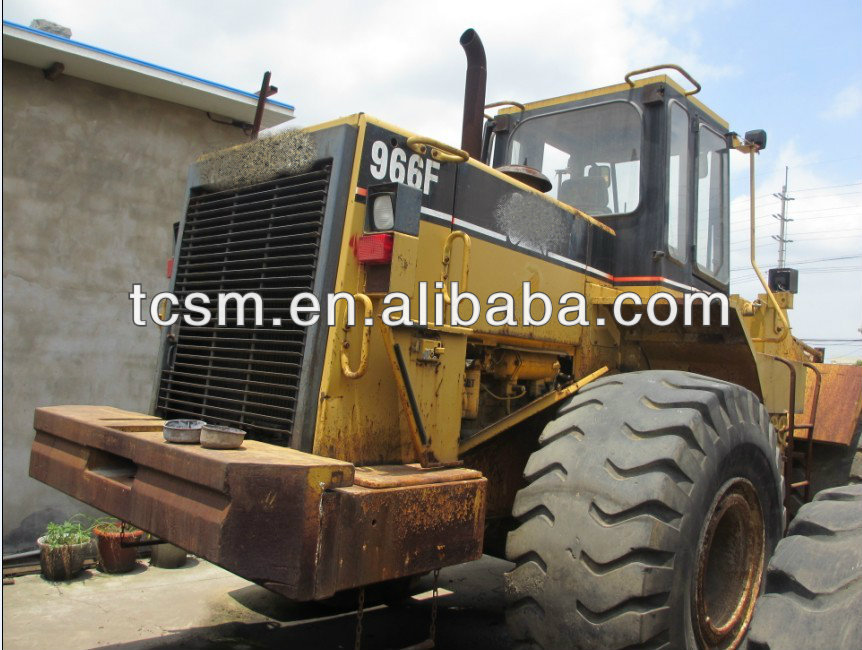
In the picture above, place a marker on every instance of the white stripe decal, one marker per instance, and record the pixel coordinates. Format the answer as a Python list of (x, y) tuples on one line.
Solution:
[(678, 284), (436, 213), (566, 260), (479, 229)]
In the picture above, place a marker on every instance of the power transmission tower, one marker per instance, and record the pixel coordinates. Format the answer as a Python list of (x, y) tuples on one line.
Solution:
[(783, 219)]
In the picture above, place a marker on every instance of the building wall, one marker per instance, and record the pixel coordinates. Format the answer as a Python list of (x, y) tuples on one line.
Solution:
[(93, 179)]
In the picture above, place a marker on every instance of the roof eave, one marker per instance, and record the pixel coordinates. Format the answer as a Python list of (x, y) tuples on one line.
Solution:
[(41, 49)]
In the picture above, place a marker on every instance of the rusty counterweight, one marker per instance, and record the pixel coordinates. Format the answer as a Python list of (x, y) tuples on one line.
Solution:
[(296, 523)]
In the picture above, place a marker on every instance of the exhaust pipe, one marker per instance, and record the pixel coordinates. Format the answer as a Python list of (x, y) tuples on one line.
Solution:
[(474, 93)]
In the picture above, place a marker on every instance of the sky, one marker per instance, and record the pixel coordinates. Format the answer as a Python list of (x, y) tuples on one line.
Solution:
[(792, 68)]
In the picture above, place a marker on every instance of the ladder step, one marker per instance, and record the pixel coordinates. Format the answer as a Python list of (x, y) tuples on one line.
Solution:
[(806, 427), (798, 485)]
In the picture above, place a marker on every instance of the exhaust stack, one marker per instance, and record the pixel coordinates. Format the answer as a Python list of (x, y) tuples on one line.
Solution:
[(474, 93)]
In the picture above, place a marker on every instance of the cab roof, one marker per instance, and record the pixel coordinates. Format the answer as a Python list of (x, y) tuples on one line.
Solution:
[(618, 88)]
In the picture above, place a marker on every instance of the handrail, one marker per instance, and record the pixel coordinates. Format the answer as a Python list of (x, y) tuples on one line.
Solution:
[(752, 150), (662, 66), (447, 258), (440, 151), (366, 341), (505, 102), (809, 450)]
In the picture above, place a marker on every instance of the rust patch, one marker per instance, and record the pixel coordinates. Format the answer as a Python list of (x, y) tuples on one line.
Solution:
[(839, 406)]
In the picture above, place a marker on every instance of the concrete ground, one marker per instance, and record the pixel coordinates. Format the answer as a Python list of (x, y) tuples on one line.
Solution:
[(201, 606)]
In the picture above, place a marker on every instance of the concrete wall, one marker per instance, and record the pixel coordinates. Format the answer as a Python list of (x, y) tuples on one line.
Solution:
[(93, 179)]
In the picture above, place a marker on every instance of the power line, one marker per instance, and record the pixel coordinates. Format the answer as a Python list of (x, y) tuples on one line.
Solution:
[(824, 271), (827, 187), (744, 227), (743, 221), (826, 161), (821, 259), (804, 233), (768, 204), (830, 259), (803, 236), (811, 189)]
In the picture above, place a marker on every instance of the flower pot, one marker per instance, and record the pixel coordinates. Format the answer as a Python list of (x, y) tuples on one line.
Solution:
[(168, 556), (62, 562), (113, 557)]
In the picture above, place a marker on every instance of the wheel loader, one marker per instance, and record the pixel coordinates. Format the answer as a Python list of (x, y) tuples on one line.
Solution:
[(636, 473)]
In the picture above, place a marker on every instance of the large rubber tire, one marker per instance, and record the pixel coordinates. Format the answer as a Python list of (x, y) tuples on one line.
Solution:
[(615, 507), (813, 595)]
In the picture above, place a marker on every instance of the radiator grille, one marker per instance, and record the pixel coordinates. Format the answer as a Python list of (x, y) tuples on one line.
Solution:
[(261, 238)]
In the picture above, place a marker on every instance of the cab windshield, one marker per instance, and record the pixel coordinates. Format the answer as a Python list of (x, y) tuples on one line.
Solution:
[(591, 156)]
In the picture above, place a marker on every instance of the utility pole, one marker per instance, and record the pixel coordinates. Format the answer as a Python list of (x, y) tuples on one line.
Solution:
[(782, 218)]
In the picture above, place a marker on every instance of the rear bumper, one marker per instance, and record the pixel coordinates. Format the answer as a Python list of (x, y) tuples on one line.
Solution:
[(302, 525)]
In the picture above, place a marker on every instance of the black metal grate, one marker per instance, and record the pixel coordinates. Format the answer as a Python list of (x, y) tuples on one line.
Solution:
[(261, 238)]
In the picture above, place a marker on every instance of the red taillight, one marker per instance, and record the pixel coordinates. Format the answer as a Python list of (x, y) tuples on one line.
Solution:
[(374, 249)]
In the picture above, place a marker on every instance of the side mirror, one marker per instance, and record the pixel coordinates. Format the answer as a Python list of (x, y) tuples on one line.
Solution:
[(756, 138)]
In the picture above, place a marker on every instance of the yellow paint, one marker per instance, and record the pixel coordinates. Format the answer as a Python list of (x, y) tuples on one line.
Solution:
[(364, 420), (361, 419), (351, 120)]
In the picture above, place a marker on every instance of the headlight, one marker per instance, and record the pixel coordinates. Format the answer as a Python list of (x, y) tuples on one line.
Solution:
[(384, 213), (393, 206)]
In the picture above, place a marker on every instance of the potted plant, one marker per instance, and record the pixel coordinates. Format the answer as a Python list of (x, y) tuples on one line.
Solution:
[(110, 535), (63, 548)]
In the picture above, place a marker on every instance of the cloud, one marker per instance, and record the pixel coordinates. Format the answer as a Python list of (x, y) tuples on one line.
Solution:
[(847, 103), (399, 61)]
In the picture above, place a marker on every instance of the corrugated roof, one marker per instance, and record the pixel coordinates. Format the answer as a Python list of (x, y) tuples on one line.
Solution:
[(41, 49)]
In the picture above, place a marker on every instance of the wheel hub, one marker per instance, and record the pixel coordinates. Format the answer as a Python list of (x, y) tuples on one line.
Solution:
[(729, 566)]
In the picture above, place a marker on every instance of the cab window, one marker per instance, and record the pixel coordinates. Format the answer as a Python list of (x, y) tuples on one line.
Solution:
[(591, 155), (712, 205), (678, 175)]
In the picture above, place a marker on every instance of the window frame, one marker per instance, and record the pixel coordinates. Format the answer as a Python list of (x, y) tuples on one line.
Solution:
[(686, 248), (642, 141), (697, 268)]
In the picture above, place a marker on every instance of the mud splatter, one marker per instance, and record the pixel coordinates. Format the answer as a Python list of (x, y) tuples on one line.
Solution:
[(533, 223)]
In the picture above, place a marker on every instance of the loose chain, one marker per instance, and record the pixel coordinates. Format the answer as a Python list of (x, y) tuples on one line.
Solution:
[(432, 632), (359, 611)]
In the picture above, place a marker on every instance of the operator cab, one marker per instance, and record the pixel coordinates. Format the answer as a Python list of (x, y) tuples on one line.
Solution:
[(644, 157)]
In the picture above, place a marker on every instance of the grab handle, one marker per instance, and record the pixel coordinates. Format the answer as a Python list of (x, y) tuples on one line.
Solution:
[(439, 151), (447, 258), (366, 341), (671, 66)]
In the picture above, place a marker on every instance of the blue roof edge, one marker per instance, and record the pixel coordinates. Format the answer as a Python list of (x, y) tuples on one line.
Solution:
[(147, 64)]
